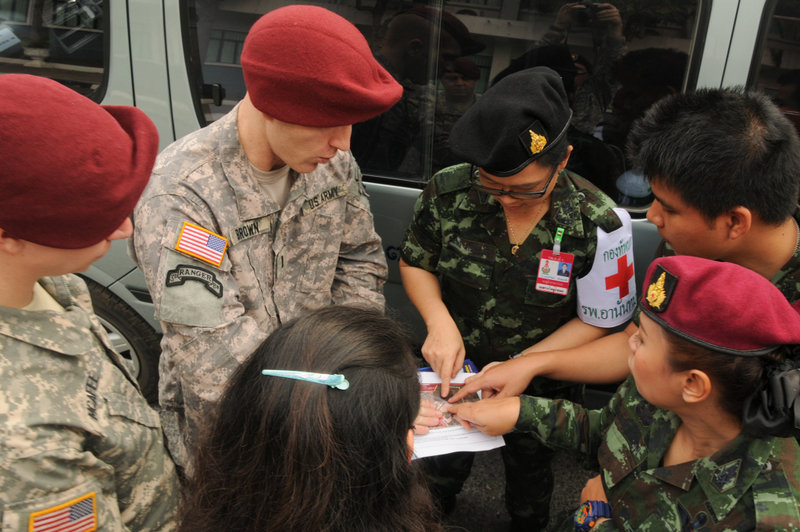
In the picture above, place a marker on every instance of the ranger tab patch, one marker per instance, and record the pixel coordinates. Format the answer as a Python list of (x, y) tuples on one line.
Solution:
[(202, 244), (77, 515), (184, 272)]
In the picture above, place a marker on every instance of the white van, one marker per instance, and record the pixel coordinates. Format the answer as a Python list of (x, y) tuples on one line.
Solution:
[(178, 60)]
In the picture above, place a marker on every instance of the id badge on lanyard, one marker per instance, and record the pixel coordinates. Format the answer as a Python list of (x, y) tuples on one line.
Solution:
[(555, 268)]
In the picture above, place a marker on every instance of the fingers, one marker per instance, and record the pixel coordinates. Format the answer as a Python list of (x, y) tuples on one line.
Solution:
[(445, 389)]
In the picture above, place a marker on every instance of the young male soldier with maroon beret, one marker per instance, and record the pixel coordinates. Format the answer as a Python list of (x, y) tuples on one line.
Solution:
[(80, 448), (262, 215)]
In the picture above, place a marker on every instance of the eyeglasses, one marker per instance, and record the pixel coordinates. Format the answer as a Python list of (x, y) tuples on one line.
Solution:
[(476, 184)]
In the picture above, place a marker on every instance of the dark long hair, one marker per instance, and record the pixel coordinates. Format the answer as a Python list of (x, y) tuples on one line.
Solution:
[(285, 454)]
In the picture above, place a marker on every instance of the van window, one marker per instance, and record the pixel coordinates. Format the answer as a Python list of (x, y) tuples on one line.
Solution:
[(58, 39), (778, 65), (615, 58)]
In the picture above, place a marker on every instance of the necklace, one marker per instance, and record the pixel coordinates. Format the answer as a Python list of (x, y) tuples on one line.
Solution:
[(515, 244), (797, 231)]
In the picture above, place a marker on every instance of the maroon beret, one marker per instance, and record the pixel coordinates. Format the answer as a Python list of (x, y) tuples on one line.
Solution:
[(306, 65), (719, 305), (72, 170)]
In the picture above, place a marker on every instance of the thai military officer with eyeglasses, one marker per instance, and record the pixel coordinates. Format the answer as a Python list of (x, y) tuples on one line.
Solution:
[(482, 256)]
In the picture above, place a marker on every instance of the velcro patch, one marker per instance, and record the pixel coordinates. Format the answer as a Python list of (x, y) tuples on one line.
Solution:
[(184, 272), (201, 243), (77, 515), (250, 229), (325, 196)]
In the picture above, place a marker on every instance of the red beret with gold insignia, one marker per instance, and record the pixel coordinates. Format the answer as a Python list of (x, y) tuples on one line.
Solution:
[(721, 306)]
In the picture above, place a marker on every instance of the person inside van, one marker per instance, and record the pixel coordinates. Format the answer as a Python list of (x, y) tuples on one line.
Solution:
[(724, 166), (262, 215), (393, 142), (314, 432), (80, 448), (699, 436), (480, 262)]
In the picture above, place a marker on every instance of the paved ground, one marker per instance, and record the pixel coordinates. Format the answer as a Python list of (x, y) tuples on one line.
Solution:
[(481, 508)]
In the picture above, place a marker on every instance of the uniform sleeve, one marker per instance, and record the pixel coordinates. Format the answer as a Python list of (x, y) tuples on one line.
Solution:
[(55, 464), (567, 425), (361, 269), (62, 477), (207, 334), (423, 242)]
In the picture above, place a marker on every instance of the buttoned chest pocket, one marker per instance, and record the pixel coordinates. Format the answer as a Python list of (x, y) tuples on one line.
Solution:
[(468, 262)]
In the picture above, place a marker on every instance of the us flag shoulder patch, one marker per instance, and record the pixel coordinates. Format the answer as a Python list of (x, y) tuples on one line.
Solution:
[(77, 515), (201, 243)]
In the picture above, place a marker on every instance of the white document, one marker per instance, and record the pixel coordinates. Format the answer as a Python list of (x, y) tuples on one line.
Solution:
[(450, 437)]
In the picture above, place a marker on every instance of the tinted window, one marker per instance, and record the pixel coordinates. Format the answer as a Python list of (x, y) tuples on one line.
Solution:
[(58, 39), (616, 59), (779, 63)]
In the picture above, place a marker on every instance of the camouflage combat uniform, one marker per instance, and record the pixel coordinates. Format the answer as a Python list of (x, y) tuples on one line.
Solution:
[(76, 432), (751, 484), (320, 249), (460, 235)]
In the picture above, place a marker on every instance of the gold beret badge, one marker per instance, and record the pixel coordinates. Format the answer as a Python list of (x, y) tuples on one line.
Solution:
[(656, 294), (538, 142)]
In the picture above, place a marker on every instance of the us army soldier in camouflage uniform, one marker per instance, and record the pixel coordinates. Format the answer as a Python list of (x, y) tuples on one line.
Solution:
[(80, 448), (481, 262), (698, 438), (262, 215)]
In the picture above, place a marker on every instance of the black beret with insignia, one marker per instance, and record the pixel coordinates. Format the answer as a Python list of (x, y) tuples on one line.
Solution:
[(514, 123)]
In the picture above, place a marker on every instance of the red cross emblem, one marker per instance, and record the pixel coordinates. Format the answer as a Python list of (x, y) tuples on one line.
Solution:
[(621, 278)]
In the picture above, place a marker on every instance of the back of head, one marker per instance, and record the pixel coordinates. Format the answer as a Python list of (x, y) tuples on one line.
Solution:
[(719, 149), (306, 65), (72, 170), (287, 454), (522, 119)]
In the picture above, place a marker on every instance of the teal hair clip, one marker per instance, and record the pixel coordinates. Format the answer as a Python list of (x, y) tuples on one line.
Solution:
[(337, 380)]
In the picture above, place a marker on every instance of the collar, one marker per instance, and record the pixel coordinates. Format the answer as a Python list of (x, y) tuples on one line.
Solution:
[(726, 476), (68, 328), (791, 267), (251, 202)]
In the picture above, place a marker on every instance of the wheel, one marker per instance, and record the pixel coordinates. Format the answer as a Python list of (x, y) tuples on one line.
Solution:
[(130, 336)]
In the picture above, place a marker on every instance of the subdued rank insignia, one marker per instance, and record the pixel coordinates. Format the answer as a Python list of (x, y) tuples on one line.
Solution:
[(724, 477), (325, 196), (534, 138), (184, 272), (661, 289), (77, 515)]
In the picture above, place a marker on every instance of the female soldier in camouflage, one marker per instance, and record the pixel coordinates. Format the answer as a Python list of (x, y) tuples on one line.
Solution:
[(80, 448), (698, 438)]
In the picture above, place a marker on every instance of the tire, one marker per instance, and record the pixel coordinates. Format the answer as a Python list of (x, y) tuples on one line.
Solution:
[(131, 336)]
